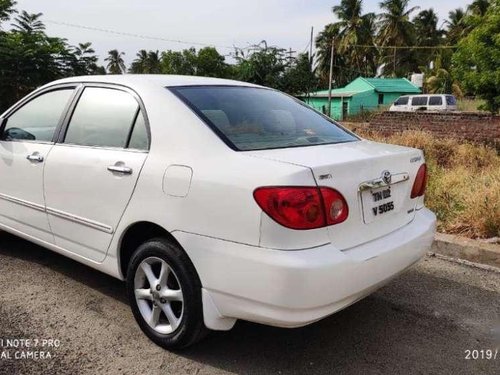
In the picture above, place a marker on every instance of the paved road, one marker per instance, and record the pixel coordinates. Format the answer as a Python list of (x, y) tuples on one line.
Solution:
[(421, 323)]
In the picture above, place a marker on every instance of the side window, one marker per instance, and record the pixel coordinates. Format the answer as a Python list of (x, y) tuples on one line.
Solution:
[(402, 101), (435, 100), (37, 120), (419, 100), (139, 138), (103, 117)]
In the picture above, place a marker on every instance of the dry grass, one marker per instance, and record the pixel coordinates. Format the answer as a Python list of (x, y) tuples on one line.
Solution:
[(464, 184), (469, 105)]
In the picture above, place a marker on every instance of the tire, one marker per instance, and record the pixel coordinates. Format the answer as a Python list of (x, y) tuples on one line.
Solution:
[(153, 305)]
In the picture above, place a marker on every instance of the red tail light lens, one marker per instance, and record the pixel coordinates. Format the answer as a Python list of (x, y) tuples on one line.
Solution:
[(302, 207), (420, 183)]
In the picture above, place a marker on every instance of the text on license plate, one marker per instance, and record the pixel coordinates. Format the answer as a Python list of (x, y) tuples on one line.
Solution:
[(378, 203)]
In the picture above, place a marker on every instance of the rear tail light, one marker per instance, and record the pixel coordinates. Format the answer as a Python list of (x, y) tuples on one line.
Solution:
[(420, 183), (302, 207)]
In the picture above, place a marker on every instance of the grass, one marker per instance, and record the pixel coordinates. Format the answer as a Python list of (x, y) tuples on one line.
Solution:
[(464, 182), (469, 105)]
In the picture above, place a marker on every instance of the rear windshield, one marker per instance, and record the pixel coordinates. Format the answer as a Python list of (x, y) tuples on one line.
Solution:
[(248, 118)]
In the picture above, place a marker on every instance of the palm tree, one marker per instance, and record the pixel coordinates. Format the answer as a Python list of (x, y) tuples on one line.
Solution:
[(396, 29), (440, 81), (116, 65), (146, 63), (139, 64), (478, 7), (86, 60), (426, 28), (154, 62), (353, 31), (29, 23), (6, 10), (455, 26), (324, 42)]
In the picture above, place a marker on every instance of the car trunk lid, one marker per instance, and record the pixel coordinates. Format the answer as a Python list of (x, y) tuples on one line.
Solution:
[(374, 178)]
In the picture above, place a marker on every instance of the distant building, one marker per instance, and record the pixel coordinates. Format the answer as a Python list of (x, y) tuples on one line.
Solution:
[(362, 94)]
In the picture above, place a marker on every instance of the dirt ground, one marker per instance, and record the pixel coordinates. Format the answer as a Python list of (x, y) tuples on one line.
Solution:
[(421, 323)]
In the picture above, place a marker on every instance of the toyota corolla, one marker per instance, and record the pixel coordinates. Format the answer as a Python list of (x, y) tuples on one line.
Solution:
[(215, 200)]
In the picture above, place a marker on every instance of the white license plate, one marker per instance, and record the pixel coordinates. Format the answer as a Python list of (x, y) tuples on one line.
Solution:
[(381, 202)]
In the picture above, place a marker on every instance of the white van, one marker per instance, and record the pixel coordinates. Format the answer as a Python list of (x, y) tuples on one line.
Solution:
[(431, 102)]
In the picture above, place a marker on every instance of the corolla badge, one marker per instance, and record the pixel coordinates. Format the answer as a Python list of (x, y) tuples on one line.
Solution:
[(386, 177)]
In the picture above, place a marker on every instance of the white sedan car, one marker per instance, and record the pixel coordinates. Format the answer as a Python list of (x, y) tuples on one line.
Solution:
[(215, 200)]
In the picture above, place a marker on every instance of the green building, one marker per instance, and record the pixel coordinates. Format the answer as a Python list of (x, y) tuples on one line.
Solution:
[(362, 94)]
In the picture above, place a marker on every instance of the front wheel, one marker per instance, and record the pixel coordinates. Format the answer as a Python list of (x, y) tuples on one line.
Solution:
[(165, 294)]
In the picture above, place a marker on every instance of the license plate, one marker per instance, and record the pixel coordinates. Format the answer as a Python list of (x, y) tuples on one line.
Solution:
[(379, 203)]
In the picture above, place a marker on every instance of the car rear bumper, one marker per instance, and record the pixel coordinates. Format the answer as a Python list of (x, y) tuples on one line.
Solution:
[(295, 288)]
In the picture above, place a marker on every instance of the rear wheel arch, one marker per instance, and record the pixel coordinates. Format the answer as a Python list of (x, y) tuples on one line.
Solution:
[(135, 235)]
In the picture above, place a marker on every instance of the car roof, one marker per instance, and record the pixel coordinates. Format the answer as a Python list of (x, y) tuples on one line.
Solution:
[(163, 80)]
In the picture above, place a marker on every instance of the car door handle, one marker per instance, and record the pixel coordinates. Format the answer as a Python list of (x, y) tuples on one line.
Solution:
[(120, 169), (35, 157)]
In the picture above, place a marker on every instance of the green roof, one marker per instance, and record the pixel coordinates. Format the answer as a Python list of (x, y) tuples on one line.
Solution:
[(380, 85), (399, 85)]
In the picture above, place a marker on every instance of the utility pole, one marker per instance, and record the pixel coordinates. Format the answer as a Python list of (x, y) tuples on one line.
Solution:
[(311, 49), (330, 80), (290, 55), (394, 62)]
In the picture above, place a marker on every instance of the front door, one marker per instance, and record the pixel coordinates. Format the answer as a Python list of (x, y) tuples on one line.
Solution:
[(26, 139), (91, 173)]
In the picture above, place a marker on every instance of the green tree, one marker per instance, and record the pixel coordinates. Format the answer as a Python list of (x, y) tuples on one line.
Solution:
[(299, 78), (29, 58), (396, 29), (84, 59), (116, 65), (29, 23), (138, 66), (478, 7), (440, 81), (342, 74), (427, 31), (476, 60), (455, 26), (182, 63), (262, 65), (210, 63), (6, 10), (427, 35), (355, 32)]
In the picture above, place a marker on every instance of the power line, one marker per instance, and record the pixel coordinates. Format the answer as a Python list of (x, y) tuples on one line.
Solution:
[(121, 33), (401, 47)]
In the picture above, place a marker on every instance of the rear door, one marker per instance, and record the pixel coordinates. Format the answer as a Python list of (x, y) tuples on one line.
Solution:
[(91, 172), (27, 136)]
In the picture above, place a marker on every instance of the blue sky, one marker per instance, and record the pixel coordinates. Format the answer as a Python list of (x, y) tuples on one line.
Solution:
[(221, 23)]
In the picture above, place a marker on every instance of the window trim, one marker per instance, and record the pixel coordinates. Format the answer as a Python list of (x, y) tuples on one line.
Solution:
[(29, 98), (112, 86), (190, 106)]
